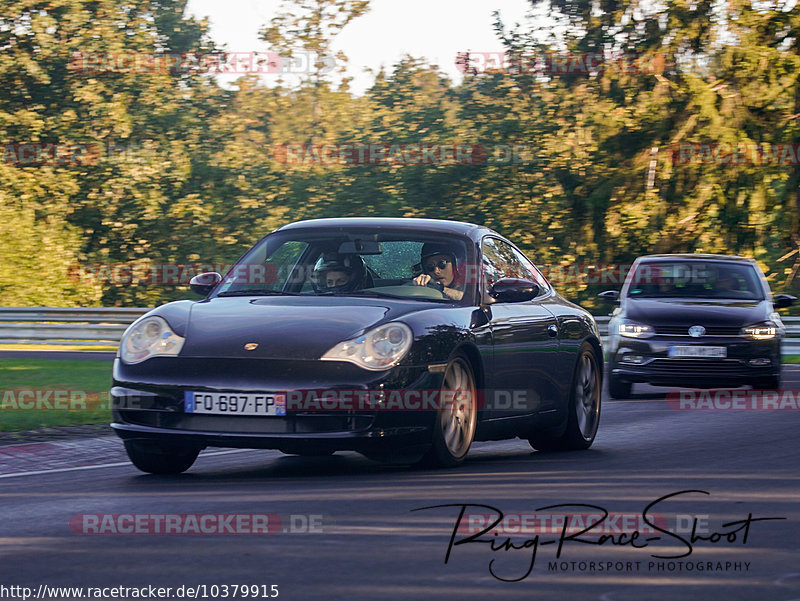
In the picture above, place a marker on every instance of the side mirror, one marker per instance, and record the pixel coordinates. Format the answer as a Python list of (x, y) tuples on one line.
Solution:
[(781, 301), (610, 296), (204, 283), (513, 290)]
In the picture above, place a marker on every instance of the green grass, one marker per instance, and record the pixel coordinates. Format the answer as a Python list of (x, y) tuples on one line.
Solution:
[(92, 378), (52, 347)]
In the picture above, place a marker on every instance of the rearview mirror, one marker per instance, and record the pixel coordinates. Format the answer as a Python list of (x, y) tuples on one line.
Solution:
[(360, 247), (513, 290), (204, 283), (610, 296), (781, 301)]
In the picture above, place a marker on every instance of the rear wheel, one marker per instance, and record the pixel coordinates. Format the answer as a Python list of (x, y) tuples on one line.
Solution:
[(454, 428), (619, 389), (583, 409), (158, 458)]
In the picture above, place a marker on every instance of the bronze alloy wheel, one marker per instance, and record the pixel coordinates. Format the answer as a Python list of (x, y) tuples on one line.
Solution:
[(457, 417)]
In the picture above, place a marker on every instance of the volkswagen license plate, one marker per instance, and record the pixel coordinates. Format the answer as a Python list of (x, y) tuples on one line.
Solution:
[(711, 352)]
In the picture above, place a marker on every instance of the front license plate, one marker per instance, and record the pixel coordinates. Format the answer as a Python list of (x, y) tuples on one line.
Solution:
[(712, 352), (231, 403)]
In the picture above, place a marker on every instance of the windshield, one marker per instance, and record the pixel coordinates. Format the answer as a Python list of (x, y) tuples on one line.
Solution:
[(695, 279), (360, 262)]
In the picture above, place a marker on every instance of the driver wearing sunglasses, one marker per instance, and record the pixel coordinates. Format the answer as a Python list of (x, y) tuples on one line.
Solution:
[(439, 270)]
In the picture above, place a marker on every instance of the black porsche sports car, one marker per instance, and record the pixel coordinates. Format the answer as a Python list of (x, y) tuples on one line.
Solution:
[(695, 320), (403, 339)]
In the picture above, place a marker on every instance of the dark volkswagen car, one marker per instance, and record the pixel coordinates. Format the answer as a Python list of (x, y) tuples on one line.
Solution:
[(697, 321), (403, 339)]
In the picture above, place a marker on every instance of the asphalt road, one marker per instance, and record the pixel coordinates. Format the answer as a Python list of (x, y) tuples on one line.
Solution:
[(368, 543)]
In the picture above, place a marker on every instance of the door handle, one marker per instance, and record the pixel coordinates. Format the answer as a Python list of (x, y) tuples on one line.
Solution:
[(552, 331)]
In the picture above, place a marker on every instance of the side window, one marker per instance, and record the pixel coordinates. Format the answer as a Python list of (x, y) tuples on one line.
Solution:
[(267, 268), (501, 260), (533, 274), (493, 267), (284, 262)]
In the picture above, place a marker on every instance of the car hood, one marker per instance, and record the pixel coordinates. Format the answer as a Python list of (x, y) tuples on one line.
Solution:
[(282, 327), (688, 312)]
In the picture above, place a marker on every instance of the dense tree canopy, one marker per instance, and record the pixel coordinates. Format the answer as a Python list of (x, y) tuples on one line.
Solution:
[(632, 127)]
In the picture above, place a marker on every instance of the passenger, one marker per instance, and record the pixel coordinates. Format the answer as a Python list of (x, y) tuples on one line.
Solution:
[(666, 287), (338, 273), (335, 278), (440, 270), (725, 282)]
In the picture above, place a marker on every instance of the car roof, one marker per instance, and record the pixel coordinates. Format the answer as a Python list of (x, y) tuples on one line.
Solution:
[(696, 257), (443, 226)]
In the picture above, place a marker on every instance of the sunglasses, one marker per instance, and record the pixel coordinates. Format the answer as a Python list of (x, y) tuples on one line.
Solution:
[(430, 267)]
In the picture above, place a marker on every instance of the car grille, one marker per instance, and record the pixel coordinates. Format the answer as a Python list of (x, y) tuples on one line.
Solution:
[(701, 367), (296, 424), (710, 330)]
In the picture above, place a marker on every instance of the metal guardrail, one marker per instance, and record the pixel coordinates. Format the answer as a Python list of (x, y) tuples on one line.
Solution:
[(103, 327), (65, 326)]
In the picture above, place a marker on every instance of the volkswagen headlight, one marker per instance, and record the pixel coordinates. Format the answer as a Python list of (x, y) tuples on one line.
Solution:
[(760, 331), (149, 337), (378, 349), (632, 329)]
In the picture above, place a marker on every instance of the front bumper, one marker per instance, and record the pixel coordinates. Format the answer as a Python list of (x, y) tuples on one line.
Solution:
[(744, 363), (148, 404)]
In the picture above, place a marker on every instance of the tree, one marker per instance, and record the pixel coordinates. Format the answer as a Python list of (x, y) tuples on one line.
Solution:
[(311, 26)]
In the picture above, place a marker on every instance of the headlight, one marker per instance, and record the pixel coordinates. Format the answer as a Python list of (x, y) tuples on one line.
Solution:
[(632, 329), (760, 331), (147, 338), (378, 349)]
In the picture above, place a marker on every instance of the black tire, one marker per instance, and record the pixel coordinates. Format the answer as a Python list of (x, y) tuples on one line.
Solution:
[(156, 458), (455, 423), (619, 389), (767, 383), (583, 409)]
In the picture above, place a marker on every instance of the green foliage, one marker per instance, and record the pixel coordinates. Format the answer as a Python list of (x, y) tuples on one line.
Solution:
[(36, 256), (202, 175)]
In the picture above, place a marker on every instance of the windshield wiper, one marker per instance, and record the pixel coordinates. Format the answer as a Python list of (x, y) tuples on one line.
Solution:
[(257, 292)]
